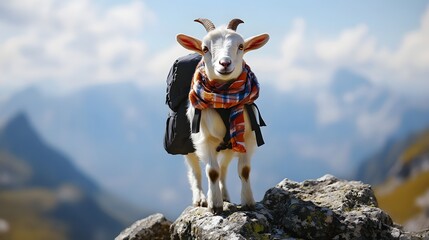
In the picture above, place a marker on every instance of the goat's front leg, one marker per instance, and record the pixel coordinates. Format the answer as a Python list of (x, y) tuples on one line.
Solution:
[(215, 202), (244, 167), (226, 159), (194, 176), (214, 195)]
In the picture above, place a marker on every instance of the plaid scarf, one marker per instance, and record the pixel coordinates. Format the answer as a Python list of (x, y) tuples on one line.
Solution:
[(234, 94)]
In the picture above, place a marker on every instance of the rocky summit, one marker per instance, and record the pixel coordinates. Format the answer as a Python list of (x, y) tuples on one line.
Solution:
[(326, 208)]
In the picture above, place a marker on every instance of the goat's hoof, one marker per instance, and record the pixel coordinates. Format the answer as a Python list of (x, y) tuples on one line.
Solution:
[(248, 207), (216, 210), (201, 203)]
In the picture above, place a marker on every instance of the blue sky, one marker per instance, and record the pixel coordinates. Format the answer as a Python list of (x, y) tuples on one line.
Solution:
[(64, 45), (388, 20)]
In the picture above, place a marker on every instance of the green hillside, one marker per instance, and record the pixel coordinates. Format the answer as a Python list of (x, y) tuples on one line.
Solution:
[(27, 214), (400, 202), (418, 148), (408, 180), (43, 196)]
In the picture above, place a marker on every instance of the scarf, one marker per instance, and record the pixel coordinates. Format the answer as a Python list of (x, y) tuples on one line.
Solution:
[(206, 93)]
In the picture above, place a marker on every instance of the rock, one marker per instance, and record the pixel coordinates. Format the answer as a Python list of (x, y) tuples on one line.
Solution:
[(154, 227), (326, 208), (415, 235), (198, 223)]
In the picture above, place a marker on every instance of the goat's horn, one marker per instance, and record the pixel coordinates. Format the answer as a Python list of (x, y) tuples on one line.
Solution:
[(234, 23), (206, 23)]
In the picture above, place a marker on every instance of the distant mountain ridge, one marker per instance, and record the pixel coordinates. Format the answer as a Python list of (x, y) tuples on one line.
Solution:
[(376, 168), (389, 160), (50, 168), (400, 174), (40, 185)]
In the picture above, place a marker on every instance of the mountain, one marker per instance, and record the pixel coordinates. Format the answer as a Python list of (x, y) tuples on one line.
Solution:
[(19, 137), (376, 168), (114, 133), (400, 173), (42, 193)]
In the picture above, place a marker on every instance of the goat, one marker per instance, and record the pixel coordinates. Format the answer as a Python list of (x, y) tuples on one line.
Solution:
[(222, 51)]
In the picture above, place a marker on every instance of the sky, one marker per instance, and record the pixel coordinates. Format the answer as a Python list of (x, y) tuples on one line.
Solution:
[(63, 46), (66, 45)]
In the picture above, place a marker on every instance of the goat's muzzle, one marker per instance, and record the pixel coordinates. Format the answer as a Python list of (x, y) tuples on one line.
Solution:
[(225, 62), (225, 66)]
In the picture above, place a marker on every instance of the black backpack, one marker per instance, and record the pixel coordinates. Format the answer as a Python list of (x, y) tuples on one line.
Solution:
[(177, 139)]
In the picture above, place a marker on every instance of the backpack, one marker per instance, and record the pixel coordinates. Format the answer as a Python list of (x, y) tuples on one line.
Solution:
[(177, 139)]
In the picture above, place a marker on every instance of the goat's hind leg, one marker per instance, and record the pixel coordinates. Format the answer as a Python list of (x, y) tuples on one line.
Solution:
[(194, 176)]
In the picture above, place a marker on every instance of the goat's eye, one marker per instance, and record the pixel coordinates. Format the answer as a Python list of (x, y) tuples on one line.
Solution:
[(240, 47), (205, 49)]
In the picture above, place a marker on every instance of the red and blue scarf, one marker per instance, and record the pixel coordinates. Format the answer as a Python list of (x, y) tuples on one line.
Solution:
[(234, 94)]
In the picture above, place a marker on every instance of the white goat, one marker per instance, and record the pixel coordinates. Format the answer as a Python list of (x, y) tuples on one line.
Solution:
[(222, 50)]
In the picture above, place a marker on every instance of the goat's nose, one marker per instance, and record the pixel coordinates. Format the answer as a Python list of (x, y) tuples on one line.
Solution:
[(225, 62)]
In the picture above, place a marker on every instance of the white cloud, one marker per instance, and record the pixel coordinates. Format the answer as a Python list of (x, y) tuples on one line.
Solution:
[(74, 43), (357, 106), (294, 68), (160, 64), (309, 63), (351, 46), (405, 69), (377, 125), (293, 43), (71, 43), (328, 110), (335, 155)]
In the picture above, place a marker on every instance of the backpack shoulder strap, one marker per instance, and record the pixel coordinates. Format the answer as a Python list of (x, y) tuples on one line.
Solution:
[(196, 121), (224, 114), (254, 123)]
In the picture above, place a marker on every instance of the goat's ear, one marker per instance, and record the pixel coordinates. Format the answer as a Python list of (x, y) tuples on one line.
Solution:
[(190, 43), (255, 42)]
